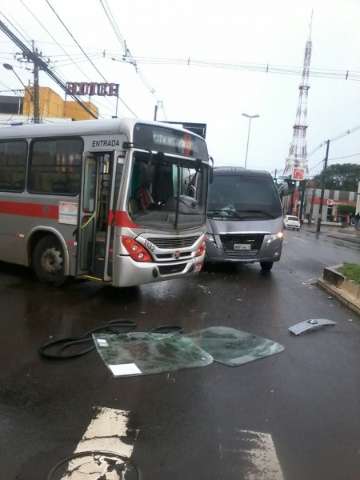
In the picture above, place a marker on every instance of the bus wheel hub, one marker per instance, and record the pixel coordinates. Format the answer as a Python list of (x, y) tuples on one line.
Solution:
[(51, 260)]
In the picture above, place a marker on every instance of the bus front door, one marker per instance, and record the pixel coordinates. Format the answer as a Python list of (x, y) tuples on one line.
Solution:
[(94, 233)]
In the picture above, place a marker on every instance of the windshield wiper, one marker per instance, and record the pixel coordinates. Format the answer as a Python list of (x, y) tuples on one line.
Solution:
[(260, 212), (220, 212)]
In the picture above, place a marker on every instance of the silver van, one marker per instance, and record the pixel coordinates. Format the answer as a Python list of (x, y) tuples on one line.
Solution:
[(245, 222)]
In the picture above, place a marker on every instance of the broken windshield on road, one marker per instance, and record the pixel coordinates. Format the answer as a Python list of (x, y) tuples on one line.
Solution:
[(244, 197), (233, 347), (146, 353), (167, 191)]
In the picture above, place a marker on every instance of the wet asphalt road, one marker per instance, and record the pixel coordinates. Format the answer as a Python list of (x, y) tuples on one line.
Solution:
[(189, 424)]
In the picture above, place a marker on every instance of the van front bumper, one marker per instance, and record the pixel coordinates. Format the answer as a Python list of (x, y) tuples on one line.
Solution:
[(269, 252)]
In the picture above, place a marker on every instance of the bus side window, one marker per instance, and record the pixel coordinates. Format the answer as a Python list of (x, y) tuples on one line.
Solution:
[(13, 165), (55, 166)]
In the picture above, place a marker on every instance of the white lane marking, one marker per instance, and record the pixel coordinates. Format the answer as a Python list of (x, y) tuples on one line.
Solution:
[(106, 432), (260, 452)]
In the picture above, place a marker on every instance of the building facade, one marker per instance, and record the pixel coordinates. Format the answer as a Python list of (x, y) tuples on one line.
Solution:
[(52, 106), (333, 199)]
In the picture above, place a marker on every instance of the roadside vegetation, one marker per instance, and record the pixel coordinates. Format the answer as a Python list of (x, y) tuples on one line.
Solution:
[(351, 271)]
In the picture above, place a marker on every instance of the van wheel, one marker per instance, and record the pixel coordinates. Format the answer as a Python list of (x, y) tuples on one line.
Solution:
[(266, 266), (48, 261)]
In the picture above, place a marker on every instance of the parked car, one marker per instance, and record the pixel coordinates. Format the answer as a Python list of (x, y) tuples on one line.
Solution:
[(292, 223), (245, 221)]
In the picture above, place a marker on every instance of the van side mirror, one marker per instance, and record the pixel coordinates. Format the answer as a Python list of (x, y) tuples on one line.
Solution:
[(211, 176)]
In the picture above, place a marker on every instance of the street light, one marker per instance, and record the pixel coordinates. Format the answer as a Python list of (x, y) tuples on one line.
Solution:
[(249, 117), (7, 66)]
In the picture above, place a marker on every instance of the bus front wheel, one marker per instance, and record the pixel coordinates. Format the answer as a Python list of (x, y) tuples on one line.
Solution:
[(48, 261)]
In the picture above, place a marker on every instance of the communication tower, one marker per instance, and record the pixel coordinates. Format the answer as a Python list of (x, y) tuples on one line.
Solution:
[(296, 165)]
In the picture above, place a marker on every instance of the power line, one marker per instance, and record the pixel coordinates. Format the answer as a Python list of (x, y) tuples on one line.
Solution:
[(21, 33), (110, 17), (51, 36), (127, 53), (334, 139), (328, 73), (71, 58), (85, 54), (36, 59), (344, 157)]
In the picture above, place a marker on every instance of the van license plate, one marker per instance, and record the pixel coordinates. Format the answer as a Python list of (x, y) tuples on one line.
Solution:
[(242, 246)]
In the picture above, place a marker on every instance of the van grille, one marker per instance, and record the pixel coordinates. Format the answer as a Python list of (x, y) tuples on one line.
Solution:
[(173, 242), (255, 242), (242, 254)]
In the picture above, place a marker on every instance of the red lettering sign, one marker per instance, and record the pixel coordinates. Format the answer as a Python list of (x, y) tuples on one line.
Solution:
[(92, 89)]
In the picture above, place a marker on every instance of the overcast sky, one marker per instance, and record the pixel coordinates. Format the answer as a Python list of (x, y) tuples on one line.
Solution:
[(230, 31)]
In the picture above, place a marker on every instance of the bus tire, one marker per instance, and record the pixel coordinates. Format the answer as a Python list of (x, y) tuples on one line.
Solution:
[(266, 266), (48, 261)]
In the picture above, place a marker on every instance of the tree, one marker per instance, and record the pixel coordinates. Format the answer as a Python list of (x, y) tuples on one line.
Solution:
[(344, 176)]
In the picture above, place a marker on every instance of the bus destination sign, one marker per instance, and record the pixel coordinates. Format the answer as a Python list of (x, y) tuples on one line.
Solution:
[(181, 144), (168, 140), (92, 89)]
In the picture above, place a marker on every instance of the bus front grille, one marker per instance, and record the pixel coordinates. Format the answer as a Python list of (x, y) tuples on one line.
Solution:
[(173, 242), (170, 269)]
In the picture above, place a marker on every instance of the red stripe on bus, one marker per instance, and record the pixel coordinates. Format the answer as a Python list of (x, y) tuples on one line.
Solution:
[(29, 209), (122, 219)]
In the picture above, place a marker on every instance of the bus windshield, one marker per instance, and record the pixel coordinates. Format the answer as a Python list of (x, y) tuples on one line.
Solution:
[(240, 197), (167, 191)]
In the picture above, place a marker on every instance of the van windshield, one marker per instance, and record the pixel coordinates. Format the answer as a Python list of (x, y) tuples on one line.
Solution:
[(243, 197)]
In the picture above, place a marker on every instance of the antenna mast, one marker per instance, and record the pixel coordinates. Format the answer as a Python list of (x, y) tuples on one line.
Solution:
[(296, 164)]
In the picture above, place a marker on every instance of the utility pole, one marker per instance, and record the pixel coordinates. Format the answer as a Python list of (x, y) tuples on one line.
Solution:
[(36, 99), (42, 65), (323, 186), (34, 92), (302, 201)]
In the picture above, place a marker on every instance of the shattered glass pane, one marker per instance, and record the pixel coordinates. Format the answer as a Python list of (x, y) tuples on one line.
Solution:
[(234, 347), (141, 353)]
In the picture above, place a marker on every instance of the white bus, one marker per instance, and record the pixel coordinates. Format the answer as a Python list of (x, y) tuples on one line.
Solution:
[(117, 201)]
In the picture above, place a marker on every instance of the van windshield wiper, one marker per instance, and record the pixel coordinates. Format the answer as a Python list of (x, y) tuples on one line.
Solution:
[(220, 212), (256, 212)]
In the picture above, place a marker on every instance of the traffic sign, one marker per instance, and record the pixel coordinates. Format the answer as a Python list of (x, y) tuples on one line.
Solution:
[(298, 174)]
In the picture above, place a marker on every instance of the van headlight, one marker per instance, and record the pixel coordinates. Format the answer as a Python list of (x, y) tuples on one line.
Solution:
[(275, 236)]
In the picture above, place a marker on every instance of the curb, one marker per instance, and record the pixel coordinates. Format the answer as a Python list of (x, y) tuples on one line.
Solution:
[(340, 295), (355, 240)]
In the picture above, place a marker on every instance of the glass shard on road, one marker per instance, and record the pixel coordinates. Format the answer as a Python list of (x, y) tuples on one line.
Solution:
[(142, 353), (233, 347)]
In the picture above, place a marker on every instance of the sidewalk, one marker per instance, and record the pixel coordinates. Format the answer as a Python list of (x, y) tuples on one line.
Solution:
[(347, 234)]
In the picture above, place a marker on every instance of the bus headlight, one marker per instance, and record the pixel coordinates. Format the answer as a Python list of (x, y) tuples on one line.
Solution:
[(136, 251), (201, 250), (275, 236)]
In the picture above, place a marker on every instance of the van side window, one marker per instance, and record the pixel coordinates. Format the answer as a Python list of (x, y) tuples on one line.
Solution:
[(55, 166), (13, 165)]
